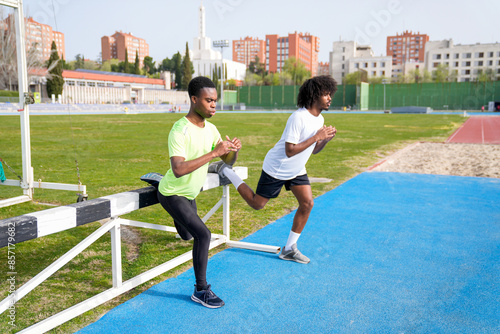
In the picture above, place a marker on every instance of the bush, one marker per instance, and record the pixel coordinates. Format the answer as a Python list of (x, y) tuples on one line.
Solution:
[(9, 93)]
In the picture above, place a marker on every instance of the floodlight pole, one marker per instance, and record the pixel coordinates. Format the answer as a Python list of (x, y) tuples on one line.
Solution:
[(221, 44)]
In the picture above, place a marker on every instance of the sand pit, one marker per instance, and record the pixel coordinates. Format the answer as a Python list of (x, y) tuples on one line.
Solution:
[(445, 159)]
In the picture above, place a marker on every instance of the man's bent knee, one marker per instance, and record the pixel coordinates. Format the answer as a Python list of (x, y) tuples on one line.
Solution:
[(307, 205), (258, 206), (204, 235)]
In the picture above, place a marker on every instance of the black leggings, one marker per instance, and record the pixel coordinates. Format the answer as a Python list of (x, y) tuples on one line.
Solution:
[(188, 223)]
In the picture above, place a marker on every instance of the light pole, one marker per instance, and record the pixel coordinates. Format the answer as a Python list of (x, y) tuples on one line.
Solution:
[(384, 82), (221, 44)]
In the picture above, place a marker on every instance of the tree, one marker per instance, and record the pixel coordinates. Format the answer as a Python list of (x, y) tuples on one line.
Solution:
[(187, 70), (167, 65), (297, 70), (65, 65), (99, 59), (79, 61), (149, 65), (232, 84), (109, 65), (376, 80), (486, 75), (137, 65), (443, 74), (216, 77), (55, 80), (177, 59), (257, 67), (272, 79), (250, 79), (256, 74), (126, 65), (419, 76), (355, 78), (8, 56)]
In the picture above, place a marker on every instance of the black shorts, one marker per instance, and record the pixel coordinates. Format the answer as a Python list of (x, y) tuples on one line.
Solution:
[(269, 187)]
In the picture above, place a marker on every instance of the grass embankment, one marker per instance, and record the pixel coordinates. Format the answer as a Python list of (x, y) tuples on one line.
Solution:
[(113, 151)]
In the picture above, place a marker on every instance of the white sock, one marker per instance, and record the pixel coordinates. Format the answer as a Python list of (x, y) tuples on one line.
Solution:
[(233, 177), (292, 239)]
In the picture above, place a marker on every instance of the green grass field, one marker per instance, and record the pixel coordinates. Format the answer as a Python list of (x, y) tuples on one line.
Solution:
[(113, 151)]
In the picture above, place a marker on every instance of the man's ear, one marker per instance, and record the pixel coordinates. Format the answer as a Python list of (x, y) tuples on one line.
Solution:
[(194, 98)]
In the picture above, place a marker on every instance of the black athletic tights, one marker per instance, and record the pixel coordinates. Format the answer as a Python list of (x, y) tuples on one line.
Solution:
[(188, 223)]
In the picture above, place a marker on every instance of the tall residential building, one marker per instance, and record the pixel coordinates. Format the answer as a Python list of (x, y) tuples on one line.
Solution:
[(38, 36), (349, 57), (113, 47), (245, 50), (465, 62), (304, 47), (407, 47)]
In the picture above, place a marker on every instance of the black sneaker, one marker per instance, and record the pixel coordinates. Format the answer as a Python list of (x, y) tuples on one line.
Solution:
[(207, 298)]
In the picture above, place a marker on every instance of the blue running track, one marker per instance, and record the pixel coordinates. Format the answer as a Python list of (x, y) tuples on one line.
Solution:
[(390, 253)]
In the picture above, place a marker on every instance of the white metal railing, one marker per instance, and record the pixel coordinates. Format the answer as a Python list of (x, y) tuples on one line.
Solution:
[(114, 227)]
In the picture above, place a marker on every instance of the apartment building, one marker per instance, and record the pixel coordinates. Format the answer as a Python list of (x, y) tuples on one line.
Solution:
[(466, 62), (38, 36), (304, 47), (245, 50), (349, 57), (114, 46), (407, 47), (323, 68)]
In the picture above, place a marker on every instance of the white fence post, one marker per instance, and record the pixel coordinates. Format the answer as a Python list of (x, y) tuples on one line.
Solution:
[(225, 212), (116, 255)]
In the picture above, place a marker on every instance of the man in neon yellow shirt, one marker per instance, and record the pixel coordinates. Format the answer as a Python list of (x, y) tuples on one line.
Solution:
[(192, 143)]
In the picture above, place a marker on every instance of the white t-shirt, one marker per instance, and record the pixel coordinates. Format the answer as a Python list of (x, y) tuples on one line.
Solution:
[(301, 125)]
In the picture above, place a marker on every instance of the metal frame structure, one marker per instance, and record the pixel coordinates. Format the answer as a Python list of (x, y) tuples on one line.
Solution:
[(122, 204), (27, 183)]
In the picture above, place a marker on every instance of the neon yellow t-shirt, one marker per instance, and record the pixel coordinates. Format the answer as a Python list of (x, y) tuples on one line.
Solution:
[(190, 142)]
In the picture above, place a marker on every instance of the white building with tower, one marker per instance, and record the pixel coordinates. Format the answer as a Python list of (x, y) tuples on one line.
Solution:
[(205, 59)]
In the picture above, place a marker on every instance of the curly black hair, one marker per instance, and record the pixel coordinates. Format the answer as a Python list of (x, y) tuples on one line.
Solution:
[(314, 88), (197, 84)]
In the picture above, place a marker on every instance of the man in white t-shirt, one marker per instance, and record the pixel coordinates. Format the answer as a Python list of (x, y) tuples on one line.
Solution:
[(284, 165)]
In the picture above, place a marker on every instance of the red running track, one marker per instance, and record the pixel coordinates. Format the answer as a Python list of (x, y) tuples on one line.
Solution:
[(478, 130)]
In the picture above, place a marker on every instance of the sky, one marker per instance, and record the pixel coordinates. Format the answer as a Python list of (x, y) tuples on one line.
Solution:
[(167, 25)]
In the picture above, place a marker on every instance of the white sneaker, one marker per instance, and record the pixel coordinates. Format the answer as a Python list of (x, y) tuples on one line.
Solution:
[(293, 255)]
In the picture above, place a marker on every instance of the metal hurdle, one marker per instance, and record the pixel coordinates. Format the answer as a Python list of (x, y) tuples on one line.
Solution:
[(41, 223)]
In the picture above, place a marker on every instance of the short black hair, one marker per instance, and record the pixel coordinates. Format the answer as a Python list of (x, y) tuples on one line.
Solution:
[(314, 88), (197, 84)]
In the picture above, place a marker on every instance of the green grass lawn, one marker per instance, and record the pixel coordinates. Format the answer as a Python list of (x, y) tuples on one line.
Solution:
[(113, 151)]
